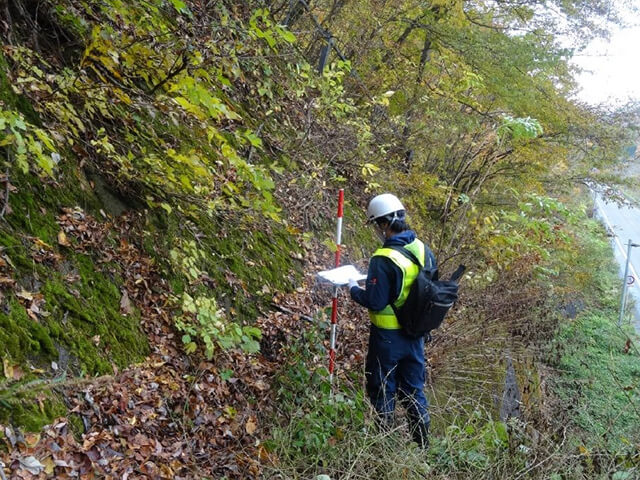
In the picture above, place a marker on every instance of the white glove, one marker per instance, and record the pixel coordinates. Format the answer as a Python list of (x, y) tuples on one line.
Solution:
[(352, 283)]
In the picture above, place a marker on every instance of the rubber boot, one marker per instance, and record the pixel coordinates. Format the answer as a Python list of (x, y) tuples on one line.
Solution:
[(420, 434)]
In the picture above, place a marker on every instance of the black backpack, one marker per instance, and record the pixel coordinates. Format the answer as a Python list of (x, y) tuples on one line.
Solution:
[(429, 299)]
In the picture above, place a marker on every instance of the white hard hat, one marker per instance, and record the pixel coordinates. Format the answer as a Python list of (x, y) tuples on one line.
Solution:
[(382, 205)]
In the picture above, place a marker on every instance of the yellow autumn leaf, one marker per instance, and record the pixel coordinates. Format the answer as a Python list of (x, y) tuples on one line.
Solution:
[(41, 244), (49, 465), (24, 295), (62, 239), (8, 368)]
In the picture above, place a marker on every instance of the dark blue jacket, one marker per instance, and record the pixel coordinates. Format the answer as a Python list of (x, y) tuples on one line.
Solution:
[(384, 278)]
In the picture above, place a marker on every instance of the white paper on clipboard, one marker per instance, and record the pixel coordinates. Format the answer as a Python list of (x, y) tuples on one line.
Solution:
[(340, 276)]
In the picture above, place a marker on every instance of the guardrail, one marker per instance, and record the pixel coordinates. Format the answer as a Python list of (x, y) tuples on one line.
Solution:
[(626, 280)]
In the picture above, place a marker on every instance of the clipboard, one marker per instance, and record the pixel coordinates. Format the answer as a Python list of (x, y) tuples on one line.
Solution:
[(340, 276)]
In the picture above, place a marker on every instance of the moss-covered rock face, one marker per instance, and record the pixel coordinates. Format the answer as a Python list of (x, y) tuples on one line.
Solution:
[(30, 410), (207, 181), (78, 321), (85, 317), (78, 304), (62, 307), (21, 336), (240, 257)]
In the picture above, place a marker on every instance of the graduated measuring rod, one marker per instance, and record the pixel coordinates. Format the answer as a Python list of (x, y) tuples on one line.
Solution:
[(334, 303)]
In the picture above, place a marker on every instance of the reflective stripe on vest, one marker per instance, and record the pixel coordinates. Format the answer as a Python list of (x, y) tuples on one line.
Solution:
[(385, 318)]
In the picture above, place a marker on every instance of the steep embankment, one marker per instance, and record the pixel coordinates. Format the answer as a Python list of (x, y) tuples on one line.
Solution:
[(140, 221)]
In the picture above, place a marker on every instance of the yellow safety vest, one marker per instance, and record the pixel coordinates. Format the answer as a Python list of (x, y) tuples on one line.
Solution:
[(385, 318)]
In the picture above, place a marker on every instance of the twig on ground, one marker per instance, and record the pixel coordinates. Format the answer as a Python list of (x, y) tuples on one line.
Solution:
[(291, 312), (57, 382)]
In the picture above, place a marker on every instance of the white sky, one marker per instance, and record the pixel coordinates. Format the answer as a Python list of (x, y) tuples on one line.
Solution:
[(612, 69)]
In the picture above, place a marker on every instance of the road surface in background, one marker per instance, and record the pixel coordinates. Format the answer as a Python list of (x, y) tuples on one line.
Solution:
[(624, 223)]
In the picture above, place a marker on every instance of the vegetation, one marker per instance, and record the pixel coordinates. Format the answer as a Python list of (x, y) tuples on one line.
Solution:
[(168, 194), (572, 421)]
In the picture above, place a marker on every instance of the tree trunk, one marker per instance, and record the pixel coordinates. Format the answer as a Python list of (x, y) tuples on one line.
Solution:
[(6, 23), (425, 56)]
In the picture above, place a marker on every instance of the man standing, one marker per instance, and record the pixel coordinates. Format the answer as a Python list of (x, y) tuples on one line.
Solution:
[(395, 363)]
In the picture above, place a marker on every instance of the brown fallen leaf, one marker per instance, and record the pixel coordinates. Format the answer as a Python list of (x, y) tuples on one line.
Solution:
[(31, 439), (251, 426)]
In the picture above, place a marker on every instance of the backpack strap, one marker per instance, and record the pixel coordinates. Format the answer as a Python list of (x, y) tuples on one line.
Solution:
[(408, 254), (428, 255)]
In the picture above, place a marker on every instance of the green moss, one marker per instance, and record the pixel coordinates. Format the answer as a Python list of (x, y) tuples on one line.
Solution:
[(36, 204), (31, 411), (76, 425), (21, 336), (89, 326), (90, 323), (257, 259)]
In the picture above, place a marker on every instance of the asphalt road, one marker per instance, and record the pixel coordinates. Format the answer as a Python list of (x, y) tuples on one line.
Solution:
[(624, 223)]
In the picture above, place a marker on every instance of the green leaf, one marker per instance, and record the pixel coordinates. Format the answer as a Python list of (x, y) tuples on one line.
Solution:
[(622, 475), (252, 331), (7, 140), (330, 244), (287, 36), (251, 346), (45, 139), (501, 432), (254, 139), (179, 5), (45, 162), (19, 123)]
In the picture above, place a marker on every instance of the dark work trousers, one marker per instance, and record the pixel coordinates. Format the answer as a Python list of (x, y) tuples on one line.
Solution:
[(395, 366)]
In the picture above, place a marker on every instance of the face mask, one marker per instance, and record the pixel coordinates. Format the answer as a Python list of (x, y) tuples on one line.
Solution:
[(380, 234)]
